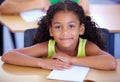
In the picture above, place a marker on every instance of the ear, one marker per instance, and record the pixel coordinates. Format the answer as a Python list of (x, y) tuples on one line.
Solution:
[(82, 29), (50, 31)]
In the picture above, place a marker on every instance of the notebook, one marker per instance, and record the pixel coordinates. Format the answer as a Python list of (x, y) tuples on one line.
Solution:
[(33, 15), (76, 74)]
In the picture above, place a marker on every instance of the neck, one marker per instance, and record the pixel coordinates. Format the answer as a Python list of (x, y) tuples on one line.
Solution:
[(71, 50)]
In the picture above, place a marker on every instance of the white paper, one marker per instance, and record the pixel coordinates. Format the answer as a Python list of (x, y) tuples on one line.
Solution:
[(76, 73), (32, 16)]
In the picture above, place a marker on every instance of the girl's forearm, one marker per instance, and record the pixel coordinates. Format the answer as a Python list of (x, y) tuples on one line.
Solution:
[(17, 58), (17, 6), (102, 62)]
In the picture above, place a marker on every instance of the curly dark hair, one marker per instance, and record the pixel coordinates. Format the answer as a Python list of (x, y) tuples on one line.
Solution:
[(92, 33)]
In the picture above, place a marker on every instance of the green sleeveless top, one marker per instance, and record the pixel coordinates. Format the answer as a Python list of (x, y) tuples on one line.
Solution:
[(81, 47), (56, 1)]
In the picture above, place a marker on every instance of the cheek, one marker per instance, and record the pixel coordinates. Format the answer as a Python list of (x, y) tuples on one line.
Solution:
[(76, 32), (76, 35), (56, 34)]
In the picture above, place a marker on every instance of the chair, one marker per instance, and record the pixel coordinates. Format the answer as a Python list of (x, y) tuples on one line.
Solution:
[(109, 40), (28, 37), (29, 34), (106, 36)]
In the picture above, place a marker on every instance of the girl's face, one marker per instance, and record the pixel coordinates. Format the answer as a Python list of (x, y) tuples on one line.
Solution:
[(66, 29)]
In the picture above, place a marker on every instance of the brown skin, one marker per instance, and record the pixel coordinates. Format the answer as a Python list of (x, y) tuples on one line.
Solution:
[(30, 56), (85, 5), (17, 6), (65, 30)]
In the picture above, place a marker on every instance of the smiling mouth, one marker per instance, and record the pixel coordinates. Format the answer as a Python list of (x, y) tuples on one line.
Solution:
[(66, 39)]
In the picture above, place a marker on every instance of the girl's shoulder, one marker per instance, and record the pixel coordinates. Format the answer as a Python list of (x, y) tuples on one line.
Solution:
[(41, 46), (39, 49), (91, 48)]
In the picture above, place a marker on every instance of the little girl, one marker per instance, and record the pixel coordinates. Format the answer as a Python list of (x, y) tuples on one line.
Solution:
[(65, 36)]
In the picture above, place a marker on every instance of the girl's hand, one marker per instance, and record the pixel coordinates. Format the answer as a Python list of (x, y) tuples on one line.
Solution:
[(54, 64), (63, 57)]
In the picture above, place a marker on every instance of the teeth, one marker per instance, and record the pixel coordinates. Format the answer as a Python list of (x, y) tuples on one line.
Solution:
[(65, 38)]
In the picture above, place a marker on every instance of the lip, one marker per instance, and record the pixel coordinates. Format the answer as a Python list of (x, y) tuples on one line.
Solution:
[(65, 39)]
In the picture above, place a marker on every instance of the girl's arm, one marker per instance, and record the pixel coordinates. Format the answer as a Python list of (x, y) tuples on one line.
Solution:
[(85, 5), (30, 56), (17, 6), (96, 58), (102, 62)]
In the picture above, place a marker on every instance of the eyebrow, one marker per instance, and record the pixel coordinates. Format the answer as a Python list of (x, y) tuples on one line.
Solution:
[(67, 22)]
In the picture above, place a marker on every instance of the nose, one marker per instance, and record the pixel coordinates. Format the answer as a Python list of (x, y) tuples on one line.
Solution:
[(65, 31)]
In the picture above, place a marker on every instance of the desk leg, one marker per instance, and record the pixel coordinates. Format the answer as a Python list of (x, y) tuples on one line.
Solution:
[(13, 39), (1, 40), (111, 44)]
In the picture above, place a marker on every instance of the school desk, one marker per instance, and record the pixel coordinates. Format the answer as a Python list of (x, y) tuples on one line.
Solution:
[(107, 16), (15, 23), (12, 73)]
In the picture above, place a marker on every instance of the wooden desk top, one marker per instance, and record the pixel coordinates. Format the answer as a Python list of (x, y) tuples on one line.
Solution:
[(12, 73), (107, 16), (15, 23)]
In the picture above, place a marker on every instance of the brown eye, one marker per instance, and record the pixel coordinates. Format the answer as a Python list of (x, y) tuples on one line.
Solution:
[(71, 26), (57, 27)]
